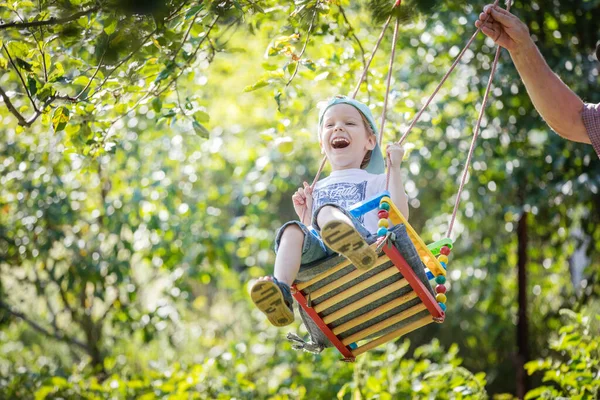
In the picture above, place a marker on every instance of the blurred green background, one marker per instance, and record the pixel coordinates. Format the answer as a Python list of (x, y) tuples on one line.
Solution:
[(149, 152)]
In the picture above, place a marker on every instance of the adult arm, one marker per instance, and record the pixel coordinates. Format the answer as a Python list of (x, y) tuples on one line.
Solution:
[(558, 105)]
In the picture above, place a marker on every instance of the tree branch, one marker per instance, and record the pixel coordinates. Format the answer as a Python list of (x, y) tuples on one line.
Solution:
[(187, 34), (92, 78), (191, 58), (20, 77), (40, 47), (57, 335), (123, 61), (63, 296), (144, 41), (12, 108), (303, 48), (42, 286), (51, 21), (35, 116), (158, 93)]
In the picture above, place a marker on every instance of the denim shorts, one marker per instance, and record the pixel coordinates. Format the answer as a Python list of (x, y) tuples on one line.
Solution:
[(313, 248)]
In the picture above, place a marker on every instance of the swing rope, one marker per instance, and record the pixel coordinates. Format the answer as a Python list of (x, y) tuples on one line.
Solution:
[(366, 68), (454, 64), (419, 114), (475, 134), (389, 80)]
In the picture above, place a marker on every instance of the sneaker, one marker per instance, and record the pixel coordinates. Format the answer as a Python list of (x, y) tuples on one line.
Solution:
[(345, 240), (274, 299)]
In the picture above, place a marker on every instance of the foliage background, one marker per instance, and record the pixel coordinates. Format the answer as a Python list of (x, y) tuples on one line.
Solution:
[(149, 153)]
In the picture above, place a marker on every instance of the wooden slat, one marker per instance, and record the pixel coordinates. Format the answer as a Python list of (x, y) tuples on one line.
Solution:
[(365, 300), (346, 278), (359, 287), (393, 335), (373, 329), (374, 313), (343, 264)]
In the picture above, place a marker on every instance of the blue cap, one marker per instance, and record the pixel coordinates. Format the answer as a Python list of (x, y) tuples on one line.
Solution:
[(376, 164)]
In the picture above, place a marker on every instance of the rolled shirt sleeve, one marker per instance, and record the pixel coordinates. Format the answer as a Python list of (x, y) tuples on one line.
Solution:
[(591, 120)]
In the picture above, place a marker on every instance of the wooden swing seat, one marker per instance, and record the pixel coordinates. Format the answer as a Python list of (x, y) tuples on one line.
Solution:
[(377, 305)]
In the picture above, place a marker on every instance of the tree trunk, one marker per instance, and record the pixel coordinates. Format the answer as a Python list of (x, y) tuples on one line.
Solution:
[(522, 324)]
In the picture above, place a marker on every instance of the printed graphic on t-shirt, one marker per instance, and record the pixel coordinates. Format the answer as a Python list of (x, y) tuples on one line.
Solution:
[(343, 194)]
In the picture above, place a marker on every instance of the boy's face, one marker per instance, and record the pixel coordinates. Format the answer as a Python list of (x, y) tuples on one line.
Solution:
[(344, 137)]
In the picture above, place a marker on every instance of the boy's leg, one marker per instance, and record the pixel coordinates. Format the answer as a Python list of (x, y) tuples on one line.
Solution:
[(289, 255), (339, 234), (272, 294)]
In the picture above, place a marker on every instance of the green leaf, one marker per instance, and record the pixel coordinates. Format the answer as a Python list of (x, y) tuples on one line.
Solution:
[(193, 11), (278, 100), (157, 104), (165, 72), (168, 115), (45, 92), (32, 85), (269, 67), (111, 26), (60, 118), (291, 67), (57, 73), (201, 130), (201, 116), (260, 84), (257, 8), (536, 393), (237, 5), (17, 50), (81, 80)]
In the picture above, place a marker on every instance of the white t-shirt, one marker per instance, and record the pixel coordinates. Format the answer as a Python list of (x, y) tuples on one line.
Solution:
[(348, 187)]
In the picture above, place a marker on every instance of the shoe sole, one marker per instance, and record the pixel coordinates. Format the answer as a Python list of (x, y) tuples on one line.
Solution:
[(344, 239), (268, 298)]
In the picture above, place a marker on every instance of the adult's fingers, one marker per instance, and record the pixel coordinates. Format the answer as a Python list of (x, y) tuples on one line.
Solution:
[(487, 24), (502, 16), (492, 33)]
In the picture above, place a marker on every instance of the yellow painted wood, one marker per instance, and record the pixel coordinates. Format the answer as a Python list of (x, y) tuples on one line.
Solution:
[(356, 289), (346, 278), (365, 300), (374, 313), (373, 329), (424, 253), (343, 264), (393, 335)]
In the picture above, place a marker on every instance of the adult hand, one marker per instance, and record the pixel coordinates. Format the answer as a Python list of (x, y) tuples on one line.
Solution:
[(504, 28), (396, 153), (303, 202)]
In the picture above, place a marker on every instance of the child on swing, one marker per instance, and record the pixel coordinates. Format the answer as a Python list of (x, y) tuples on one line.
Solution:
[(348, 137)]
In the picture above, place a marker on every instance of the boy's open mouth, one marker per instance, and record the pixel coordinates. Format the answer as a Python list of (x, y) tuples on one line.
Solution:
[(340, 143)]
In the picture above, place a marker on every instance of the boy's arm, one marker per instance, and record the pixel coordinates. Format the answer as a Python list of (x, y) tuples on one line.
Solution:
[(396, 187)]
